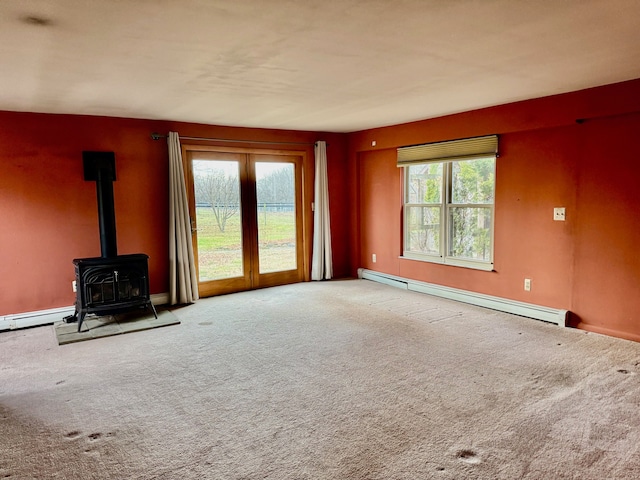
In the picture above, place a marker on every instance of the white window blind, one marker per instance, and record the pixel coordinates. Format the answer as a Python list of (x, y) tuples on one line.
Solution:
[(465, 149)]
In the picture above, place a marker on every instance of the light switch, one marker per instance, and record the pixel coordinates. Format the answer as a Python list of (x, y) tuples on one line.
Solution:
[(558, 214)]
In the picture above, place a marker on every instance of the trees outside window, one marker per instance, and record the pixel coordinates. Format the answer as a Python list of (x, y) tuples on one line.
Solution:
[(219, 189)]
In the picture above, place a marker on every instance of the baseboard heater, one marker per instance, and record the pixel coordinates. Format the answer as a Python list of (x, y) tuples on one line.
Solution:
[(47, 317), (539, 312)]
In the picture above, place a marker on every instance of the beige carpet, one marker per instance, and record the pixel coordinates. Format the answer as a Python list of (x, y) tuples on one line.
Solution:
[(332, 380)]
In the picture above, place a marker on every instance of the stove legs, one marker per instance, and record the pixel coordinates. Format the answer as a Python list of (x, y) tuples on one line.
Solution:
[(79, 316)]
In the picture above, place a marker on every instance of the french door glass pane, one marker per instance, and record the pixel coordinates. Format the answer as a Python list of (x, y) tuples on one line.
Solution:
[(470, 232), (217, 195), (423, 228), (276, 214)]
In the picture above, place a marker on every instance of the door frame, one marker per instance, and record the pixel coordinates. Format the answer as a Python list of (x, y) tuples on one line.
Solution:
[(303, 226)]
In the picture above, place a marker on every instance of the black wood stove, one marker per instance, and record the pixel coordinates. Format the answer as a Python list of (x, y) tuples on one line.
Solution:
[(111, 283)]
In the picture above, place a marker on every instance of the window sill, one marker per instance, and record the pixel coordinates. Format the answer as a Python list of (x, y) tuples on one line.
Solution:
[(453, 262)]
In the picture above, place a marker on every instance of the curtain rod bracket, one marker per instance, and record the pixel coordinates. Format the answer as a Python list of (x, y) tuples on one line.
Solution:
[(157, 136)]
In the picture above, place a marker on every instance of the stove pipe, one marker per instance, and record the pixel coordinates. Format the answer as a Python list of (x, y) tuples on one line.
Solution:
[(101, 168)]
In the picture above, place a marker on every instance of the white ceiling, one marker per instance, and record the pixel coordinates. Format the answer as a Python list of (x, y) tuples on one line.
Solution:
[(325, 65)]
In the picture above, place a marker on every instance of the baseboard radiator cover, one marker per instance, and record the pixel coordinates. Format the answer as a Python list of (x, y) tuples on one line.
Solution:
[(538, 312), (52, 315)]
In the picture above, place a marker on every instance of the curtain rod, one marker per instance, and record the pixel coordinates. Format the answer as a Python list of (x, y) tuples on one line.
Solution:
[(158, 136)]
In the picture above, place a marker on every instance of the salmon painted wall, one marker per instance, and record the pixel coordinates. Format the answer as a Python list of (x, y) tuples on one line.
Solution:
[(607, 228), (48, 212), (576, 151)]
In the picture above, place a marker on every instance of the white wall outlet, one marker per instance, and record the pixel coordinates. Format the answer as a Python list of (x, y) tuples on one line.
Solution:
[(373, 143), (527, 284), (74, 286), (374, 259), (558, 214)]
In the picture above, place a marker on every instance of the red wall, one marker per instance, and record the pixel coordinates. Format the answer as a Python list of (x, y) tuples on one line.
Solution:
[(588, 264), (607, 228), (48, 212)]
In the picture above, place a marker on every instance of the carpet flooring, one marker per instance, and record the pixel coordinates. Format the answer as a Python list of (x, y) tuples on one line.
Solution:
[(324, 380)]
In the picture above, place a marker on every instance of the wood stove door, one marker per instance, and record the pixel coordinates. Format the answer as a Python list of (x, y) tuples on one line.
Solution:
[(246, 218)]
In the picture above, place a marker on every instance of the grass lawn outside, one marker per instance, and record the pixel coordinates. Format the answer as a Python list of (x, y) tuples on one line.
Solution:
[(220, 253)]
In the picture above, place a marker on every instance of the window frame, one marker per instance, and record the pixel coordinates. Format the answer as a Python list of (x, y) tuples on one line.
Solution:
[(445, 205)]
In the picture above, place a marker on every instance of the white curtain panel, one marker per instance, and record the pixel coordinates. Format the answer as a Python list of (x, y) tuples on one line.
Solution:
[(321, 263), (183, 283)]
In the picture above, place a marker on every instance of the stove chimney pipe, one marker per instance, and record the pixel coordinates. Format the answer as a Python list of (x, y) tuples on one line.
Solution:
[(101, 168)]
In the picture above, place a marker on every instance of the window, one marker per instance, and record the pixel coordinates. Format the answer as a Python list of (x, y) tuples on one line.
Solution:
[(448, 204)]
